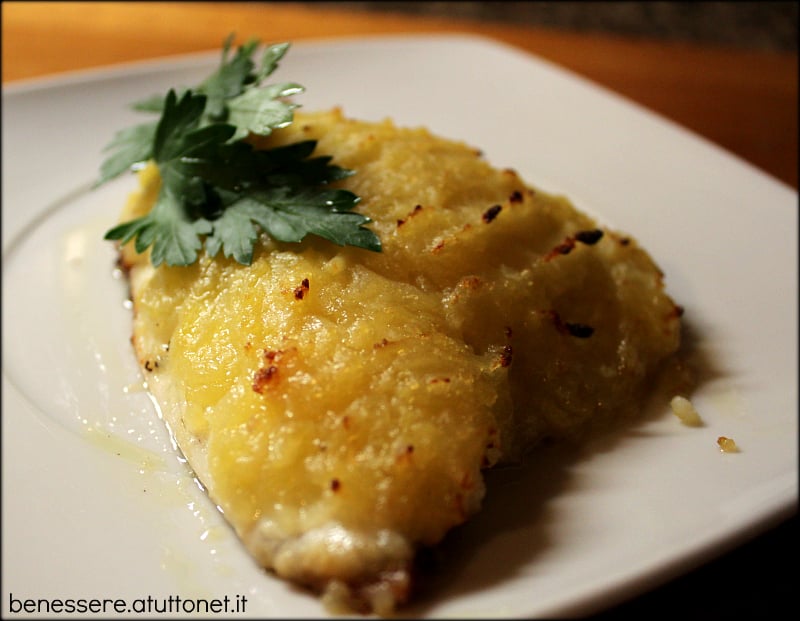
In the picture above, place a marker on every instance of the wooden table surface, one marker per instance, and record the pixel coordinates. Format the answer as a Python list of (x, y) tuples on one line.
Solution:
[(745, 101)]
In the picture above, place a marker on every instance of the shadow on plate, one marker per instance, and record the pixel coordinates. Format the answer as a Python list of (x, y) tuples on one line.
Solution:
[(519, 496)]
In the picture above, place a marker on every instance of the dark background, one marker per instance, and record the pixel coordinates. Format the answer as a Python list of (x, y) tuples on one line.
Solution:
[(746, 25)]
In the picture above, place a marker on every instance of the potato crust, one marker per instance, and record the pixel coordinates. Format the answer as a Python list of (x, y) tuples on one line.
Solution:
[(339, 405)]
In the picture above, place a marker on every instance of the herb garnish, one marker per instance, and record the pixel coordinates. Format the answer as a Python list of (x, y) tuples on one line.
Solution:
[(217, 190)]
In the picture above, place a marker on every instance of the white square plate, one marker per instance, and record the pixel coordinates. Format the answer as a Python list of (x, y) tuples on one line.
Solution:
[(96, 502)]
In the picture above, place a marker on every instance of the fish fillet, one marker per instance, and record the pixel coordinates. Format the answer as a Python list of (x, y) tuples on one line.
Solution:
[(339, 405)]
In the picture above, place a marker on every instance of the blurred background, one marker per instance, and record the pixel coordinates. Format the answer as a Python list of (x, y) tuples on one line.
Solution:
[(751, 25)]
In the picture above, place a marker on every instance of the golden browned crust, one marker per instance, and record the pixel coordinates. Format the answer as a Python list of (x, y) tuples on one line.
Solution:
[(339, 405)]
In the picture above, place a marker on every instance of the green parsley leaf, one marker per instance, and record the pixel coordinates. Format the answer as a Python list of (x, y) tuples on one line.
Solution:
[(288, 217), (180, 116), (133, 145), (218, 192), (269, 61), (229, 79), (173, 235), (235, 233), (261, 110), (155, 103)]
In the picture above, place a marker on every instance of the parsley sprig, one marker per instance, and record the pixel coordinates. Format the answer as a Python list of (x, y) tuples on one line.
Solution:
[(218, 192)]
